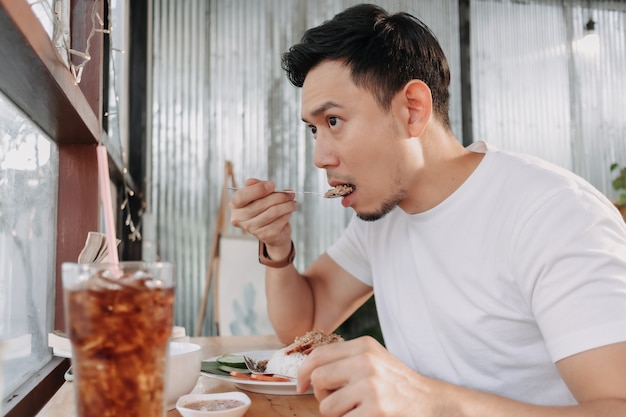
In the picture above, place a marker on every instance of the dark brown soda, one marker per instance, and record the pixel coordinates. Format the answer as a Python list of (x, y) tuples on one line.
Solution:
[(119, 335)]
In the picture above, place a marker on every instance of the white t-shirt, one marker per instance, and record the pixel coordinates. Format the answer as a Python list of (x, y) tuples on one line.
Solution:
[(524, 265)]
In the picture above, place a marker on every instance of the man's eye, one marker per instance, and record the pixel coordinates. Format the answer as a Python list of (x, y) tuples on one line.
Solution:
[(333, 121), (313, 129)]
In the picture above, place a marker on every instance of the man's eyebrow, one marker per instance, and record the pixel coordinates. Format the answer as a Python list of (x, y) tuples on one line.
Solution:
[(324, 107)]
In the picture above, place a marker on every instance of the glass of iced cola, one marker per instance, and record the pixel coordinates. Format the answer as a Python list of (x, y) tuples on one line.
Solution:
[(119, 319)]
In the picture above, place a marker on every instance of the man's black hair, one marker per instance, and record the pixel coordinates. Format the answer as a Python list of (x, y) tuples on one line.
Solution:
[(384, 52)]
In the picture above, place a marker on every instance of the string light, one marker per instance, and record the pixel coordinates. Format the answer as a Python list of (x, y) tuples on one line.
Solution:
[(98, 25), (77, 69), (589, 45)]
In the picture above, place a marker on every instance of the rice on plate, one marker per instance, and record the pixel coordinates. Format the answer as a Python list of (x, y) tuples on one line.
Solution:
[(285, 365), (287, 361)]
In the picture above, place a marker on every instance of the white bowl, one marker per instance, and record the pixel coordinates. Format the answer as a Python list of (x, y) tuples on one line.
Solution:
[(231, 412), (183, 370)]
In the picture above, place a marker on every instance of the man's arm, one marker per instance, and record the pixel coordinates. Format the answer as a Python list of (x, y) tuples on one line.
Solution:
[(596, 378), (361, 378), (321, 298), (597, 374)]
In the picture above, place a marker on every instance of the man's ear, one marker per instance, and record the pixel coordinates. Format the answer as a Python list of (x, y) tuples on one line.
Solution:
[(419, 103)]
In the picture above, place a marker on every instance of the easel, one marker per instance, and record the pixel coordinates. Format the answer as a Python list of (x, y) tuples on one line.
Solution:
[(214, 256)]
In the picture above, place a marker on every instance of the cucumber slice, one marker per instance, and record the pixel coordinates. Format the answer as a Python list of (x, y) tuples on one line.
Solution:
[(230, 369), (213, 367), (235, 361)]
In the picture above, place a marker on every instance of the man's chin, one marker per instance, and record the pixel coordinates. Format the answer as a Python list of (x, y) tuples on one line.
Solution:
[(369, 217), (372, 217), (378, 214)]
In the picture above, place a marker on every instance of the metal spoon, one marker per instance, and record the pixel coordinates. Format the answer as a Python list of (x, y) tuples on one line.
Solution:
[(291, 192)]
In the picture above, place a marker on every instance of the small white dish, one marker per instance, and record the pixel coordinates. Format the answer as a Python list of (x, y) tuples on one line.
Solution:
[(191, 405), (183, 369)]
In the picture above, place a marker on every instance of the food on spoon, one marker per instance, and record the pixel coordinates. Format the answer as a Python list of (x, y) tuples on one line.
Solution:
[(339, 191), (287, 361)]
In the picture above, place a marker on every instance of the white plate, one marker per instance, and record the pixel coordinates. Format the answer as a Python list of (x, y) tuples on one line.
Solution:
[(261, 387)]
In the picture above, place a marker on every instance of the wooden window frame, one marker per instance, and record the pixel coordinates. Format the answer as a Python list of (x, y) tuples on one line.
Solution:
[(34, 77)]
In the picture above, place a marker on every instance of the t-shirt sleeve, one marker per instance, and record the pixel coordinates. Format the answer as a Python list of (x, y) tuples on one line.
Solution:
[(349, 251), (570, 260)]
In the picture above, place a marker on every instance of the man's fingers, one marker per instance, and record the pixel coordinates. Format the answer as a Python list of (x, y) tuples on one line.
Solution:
[(251, 181), (322, 359), (259, 211), (340, 403), (251, 192)]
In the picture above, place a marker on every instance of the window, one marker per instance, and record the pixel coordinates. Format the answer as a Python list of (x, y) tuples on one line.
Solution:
[(49, 126), (28, 186), (116, 117)]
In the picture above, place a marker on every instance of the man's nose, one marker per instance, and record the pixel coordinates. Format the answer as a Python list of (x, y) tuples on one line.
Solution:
[(324, 155)]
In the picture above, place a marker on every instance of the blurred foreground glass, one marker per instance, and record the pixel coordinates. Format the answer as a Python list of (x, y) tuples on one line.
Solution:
[(119, 330)]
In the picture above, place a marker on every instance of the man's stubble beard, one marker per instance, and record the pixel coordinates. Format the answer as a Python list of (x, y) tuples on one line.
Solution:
[(384, 209)]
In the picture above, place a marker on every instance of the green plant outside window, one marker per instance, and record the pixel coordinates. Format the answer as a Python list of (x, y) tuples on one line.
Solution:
[(619, 183)]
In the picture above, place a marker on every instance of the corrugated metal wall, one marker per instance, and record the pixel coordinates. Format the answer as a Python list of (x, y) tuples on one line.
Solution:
[(179, 200), (218, 94), (536, 90)]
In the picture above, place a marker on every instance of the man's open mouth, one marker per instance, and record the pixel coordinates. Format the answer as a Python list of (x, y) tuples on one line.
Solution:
[(340, 191)]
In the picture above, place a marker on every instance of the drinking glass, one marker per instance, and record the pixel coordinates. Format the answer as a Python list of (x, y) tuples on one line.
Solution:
[(119, 320)]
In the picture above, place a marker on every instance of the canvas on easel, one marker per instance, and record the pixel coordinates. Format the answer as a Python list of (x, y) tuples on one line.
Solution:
[(241, 306)]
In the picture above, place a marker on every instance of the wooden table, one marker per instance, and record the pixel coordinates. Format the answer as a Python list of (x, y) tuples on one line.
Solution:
[(263, 405)]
